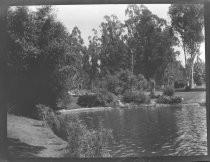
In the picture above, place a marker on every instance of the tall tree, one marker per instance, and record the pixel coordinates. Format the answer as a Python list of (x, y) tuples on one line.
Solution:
[(113, 49), (92, 59), (75, 56), (150, 41), (188, 22), (38, 50)]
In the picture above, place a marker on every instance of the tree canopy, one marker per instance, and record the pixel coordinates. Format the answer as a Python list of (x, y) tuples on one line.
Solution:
[(188, 21)]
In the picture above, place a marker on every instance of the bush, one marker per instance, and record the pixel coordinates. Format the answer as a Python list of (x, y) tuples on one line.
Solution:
[(198, 79), (101, 98), (187, 88), (113, 84), (136, 97), (127, 80), (87, 100), (179, 84), (153, 96), (169, 99), (106, 98), (168, 91), (142, 82)]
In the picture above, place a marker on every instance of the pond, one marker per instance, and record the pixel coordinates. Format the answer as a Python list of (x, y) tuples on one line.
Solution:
[(153, 131)]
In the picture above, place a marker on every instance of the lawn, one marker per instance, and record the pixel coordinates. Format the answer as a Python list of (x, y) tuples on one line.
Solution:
[(193, 97)]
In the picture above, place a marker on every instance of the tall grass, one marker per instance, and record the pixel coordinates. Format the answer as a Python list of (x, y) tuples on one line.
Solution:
[(82, 142)]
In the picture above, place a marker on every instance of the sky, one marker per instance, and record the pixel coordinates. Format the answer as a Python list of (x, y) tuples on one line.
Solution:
[(87, 17)]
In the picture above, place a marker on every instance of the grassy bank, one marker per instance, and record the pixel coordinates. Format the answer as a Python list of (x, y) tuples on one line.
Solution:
[(55, 136), (30, 138)]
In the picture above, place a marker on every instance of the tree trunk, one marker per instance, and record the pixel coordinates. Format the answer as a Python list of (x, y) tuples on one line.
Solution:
[(192, 61), (185, 57), (191, 76)]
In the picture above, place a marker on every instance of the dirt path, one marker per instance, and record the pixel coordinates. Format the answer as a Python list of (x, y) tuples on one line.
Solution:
[(29, 138)]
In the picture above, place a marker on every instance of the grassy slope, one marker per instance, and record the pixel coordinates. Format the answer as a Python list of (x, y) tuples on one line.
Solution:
[(29, 138), (193, 97)]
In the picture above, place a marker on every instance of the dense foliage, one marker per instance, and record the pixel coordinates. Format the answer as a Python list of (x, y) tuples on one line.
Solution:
[(169, 100), (41, 58), (101, 98), (178, 84), (136, 97), (199, 72), (37, 49)]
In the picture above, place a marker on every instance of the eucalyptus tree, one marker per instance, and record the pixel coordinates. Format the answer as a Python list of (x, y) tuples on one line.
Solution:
[(188, 21), (92, 59), (114, 52), (150, 41), (74, 59)]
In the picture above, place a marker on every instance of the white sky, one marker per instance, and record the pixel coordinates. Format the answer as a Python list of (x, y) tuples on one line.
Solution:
[(87, 17)]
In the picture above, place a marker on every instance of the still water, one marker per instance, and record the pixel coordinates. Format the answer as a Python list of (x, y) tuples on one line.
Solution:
[(180, 131)]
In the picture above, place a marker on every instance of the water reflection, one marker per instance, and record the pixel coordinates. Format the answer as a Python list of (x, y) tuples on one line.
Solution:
[(153, 131)]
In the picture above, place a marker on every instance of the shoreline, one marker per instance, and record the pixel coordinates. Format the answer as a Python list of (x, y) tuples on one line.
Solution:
[(155, 105), (79, 110)]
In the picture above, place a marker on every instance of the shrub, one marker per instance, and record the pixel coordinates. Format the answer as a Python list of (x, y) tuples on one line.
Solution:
[(179, 84), (176, 99), (136, 97), (49, 117), (87, 100), (187, 88), (169, 99), (101, 98), (168, 91), (127, 80), (153, 96), (106, 98), (142, 82), (198, 79), (64, 100)]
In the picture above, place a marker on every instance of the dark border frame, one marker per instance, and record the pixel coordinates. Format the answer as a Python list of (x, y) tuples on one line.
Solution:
[(3, 77)]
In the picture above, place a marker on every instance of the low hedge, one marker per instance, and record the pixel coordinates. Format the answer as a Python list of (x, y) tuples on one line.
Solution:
[(102, 98), (169, 100), (135, 97)]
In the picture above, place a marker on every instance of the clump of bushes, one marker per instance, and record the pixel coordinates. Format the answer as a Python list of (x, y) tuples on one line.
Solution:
[(154, 96), (169, 100), (168, 91), (122, 81), (179, 84), (135, 97), (187, 88), (88, 100), (101, 98), (82, 142)]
